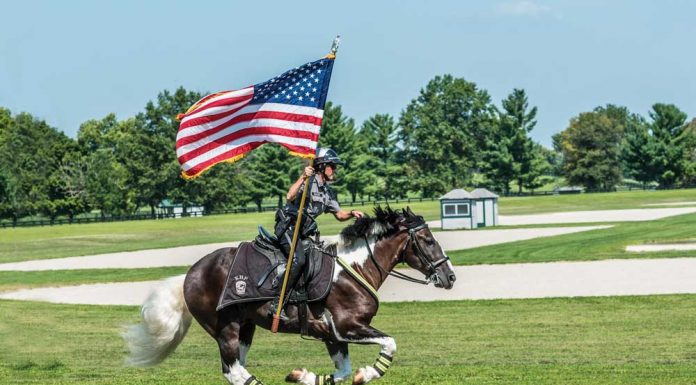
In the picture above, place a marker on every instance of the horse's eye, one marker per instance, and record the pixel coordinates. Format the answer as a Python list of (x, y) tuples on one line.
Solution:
[(430, 241)]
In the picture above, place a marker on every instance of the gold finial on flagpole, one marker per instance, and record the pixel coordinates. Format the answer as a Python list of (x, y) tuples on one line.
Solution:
[(334, 47)]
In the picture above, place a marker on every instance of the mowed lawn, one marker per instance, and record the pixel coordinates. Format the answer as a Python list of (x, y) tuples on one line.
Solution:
[(22, 244), (599, 244), (615, 340)]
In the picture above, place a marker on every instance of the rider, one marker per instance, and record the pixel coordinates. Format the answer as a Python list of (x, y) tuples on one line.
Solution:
[(320, 199)]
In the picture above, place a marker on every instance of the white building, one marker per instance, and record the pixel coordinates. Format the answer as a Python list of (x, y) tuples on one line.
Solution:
[(460, 209)]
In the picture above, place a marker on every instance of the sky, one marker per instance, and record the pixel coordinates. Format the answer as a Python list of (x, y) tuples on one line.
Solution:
[(70, 61)]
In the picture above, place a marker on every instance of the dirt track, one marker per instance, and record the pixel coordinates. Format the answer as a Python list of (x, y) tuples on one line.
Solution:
[(530, 280)]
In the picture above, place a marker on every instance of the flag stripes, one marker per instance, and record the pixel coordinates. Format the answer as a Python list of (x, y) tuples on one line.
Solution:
[(287, 110)]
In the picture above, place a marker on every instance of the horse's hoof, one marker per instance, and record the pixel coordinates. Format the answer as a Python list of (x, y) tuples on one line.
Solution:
[(359, 378), (295, 375)]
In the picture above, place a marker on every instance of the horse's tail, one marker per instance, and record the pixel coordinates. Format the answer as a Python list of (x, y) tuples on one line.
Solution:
[(165, 321)]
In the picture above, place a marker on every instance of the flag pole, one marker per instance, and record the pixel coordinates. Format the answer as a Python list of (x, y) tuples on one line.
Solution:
[(288, 266), (298, 222)]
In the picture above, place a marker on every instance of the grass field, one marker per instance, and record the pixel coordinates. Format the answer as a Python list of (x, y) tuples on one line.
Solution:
[(73, 240), (590, 245), (619, 340)]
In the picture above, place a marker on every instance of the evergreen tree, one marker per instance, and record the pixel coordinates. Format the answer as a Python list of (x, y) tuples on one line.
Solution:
[(669, 151), (637, 152), (381, 134), (338, 132)]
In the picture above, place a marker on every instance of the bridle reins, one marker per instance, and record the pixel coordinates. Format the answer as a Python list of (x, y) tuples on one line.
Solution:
[(431, 276)]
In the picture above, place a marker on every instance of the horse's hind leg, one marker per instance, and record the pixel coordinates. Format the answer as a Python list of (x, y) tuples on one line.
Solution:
[(232, 367), (339, 355), (246, 335)]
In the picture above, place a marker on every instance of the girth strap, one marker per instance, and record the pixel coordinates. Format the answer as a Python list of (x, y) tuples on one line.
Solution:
[(361, 280)]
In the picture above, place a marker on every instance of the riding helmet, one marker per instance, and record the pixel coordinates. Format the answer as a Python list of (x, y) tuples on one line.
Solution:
[(326, 156)]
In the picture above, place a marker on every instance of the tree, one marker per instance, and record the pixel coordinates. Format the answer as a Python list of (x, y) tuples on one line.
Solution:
[(442, 131), (161, 174), (638, 152), (590, 147), (508, 153), (338, 132), (535, 174), (33, 151), (106, 149), (669, 151), (273, 170), (380, 131)]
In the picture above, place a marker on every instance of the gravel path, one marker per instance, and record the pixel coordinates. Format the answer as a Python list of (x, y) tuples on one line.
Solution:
[(666, 247), (530, 280), (533, 280), (634, 215), (187, 255), (597, 216)]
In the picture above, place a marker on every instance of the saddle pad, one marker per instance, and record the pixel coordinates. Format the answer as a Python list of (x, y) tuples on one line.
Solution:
[(248, 268)]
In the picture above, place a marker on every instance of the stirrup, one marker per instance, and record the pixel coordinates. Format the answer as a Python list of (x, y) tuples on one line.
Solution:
[(274, 307)]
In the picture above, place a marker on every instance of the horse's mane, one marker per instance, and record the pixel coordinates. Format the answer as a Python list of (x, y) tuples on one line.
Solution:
[(385, 223)]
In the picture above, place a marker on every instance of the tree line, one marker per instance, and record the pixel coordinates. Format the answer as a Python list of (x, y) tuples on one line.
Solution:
[(451, 135)]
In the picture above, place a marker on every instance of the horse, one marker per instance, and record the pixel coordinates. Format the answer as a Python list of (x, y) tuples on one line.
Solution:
[(371, 247)]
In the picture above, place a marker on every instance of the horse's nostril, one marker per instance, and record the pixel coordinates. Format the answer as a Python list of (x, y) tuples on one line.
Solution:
[(452, 278)]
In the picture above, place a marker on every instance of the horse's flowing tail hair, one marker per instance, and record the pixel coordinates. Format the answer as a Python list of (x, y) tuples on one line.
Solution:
[(165, 321)]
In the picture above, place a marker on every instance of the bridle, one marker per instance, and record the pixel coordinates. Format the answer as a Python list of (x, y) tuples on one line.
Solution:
[(430, 277)]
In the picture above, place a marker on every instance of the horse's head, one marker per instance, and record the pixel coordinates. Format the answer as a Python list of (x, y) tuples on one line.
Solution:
[(421, 250)]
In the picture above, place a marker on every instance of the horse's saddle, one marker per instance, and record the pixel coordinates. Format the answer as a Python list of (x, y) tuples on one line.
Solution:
[(258, 270)]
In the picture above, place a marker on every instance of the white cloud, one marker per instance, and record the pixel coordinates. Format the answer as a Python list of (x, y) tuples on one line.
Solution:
[(523, 8)]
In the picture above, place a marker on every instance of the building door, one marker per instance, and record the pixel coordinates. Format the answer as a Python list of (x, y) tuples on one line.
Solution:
[(480, 214)]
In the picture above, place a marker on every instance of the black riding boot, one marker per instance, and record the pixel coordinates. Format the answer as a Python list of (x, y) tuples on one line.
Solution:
[(295, 272)]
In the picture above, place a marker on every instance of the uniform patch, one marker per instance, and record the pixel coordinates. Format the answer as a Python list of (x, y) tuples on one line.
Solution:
[(240, 284)]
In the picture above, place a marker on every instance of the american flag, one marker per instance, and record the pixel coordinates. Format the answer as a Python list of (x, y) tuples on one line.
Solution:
[(224, 126)]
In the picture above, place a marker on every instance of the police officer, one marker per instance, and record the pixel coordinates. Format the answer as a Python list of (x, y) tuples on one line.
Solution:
[(320, 199)]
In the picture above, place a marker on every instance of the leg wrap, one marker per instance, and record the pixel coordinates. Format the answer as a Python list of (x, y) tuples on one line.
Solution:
[(253, 381), (383, 363), (325, 380)]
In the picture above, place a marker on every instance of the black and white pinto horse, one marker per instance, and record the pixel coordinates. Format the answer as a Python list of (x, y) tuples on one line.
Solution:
[(371, 248)]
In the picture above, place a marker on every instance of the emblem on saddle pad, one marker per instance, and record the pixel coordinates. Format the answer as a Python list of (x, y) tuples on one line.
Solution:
[(240, 284)]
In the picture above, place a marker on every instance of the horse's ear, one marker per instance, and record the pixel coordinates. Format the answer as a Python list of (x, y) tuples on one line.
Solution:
[(408, 210)]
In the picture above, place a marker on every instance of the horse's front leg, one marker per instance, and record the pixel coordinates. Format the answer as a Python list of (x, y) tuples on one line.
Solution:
[(339, 355), (370, 335)]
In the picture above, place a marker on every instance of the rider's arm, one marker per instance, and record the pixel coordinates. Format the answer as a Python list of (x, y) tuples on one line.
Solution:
[(346, 215), (295, 188)]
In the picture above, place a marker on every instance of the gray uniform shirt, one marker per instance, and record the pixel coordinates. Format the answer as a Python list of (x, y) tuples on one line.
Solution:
[(320, 199)]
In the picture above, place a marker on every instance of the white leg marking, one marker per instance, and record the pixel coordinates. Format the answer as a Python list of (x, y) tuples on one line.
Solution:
[(369, 373), (388, 347), (243, 351), (307, 377), (237, 374)]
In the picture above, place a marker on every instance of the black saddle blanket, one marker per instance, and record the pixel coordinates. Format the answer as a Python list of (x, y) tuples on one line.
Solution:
[(254, 276)]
